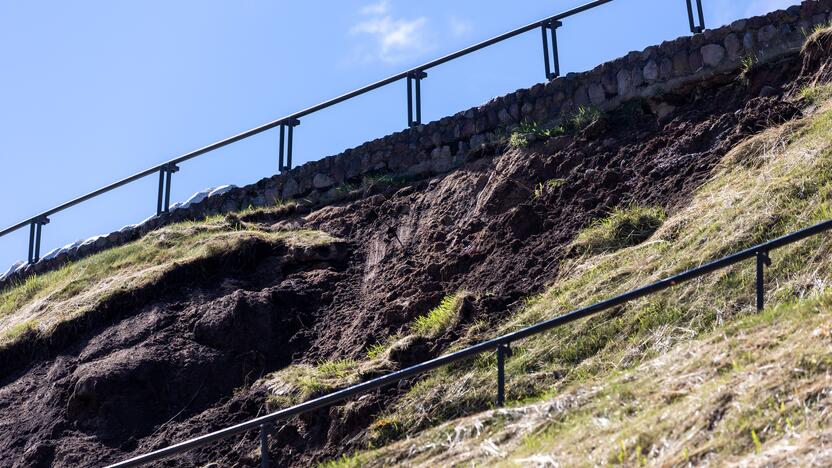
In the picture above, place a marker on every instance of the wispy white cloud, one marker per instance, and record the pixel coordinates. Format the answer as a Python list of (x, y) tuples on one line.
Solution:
[(380, 8), (394, 39), (459, 27)]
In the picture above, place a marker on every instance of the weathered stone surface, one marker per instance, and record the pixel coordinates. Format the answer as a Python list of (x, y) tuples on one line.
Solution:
[(749, 41), (767, 34), (651, 71), (695, 60), (625, 82), (681, 66), (712, 54), (290, 189), (665, 69), (581, 98), (739, 25), (322, 181), (733, 46), (596, 93)]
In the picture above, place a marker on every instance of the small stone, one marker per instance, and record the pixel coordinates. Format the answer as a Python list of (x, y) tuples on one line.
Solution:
[(681, 66), (712, 54), (625, 82), (609, 82), (766, 34), (596, 93), (435, 138), (504, 117), (733, 45), (290, 189), (514, 111), (749, 40), (739, 25), (665, 69), (695, 60), (581, 98), (651, 71)]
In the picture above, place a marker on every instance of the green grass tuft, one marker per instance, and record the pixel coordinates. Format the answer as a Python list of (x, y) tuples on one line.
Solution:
[(529, 131), (547, 187), (440, 319), (747, 64), (816, 93), (623, 227), (584, 117)]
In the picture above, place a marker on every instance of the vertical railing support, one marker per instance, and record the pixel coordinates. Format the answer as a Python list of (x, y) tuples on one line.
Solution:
[(286, 144), (694, 28), (163, 197), (264, 445), (414, 97), (550, 26), (763, 260), (35, 228), (503, 352)]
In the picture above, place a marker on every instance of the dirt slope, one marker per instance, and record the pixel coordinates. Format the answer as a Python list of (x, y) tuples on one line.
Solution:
[(178, 362)]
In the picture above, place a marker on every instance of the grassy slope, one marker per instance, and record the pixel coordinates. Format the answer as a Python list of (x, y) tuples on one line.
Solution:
[(774, 183), (42, 301), (755, 391)]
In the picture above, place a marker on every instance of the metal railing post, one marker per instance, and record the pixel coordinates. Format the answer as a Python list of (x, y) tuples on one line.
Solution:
[(280, 166), (409, 100), (163, 198), (694, 28), (31, 242), (701, 15), (286, 144), (414, 98), (264, 445), (503, 351), (551, 26), (419, 97), (543, 27), (159, 198), (37, 241), (763, 260), (35, 228)]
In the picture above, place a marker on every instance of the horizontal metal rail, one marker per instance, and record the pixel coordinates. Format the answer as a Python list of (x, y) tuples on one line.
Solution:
[(292, 120), (500, 343)]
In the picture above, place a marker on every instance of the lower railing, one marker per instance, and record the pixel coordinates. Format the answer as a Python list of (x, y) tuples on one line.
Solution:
[(500, 344)]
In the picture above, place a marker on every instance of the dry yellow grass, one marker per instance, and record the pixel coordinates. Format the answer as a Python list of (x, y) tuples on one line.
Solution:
[(755, 392)]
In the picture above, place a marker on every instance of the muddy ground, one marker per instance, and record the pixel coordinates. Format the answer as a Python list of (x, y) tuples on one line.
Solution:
[(162, 366)]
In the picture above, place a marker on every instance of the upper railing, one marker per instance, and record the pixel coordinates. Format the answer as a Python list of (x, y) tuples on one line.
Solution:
[(547, 26), (500, 344)]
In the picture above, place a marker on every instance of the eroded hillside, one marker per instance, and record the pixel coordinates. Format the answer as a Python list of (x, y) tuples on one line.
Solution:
[(201, 325)]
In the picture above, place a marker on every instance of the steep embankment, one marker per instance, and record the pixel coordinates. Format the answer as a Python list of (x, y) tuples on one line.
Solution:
[(201, 325)]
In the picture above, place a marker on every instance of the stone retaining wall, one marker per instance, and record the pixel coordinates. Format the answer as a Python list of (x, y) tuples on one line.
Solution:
[(440, 146)]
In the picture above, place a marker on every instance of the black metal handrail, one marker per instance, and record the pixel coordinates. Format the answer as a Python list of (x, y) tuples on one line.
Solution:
[(500, 344), (287, 123)]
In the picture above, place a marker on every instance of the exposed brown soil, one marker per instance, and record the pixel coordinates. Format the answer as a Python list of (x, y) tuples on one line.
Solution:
[(173, 363)]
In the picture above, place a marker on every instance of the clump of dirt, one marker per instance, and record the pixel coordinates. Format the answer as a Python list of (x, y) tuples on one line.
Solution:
[(172, 364)]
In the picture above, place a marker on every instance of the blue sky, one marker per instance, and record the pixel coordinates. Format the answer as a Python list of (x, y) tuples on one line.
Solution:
[(94, 90)]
